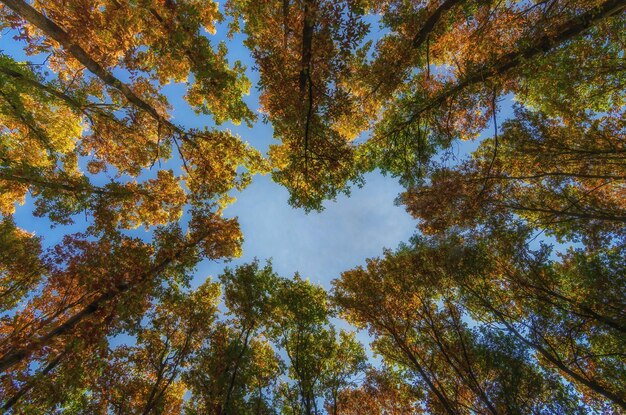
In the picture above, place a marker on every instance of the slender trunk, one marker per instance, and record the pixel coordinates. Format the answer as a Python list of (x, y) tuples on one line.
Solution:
[(572, 306), (473, 382), (422, 372), (432, 21), (591, 384), (307, 44), (10, 359), (233, 378), (29, 385), (174, 373), (155, 386)]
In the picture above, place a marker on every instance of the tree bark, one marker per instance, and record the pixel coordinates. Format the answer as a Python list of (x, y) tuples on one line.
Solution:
[(421, 36), (29, 385)]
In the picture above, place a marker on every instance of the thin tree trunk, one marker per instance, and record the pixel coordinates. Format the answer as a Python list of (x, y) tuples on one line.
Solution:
[(431, 386), (233, 378), (307, 44), (29, 385), (432, 21)]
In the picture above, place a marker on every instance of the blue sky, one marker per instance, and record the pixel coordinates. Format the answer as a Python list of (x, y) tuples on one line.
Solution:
[(319, 245)]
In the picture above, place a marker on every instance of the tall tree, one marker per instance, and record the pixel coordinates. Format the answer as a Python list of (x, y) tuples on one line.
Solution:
[(237, 362), (417, 303), (303, 50), (319, 364)]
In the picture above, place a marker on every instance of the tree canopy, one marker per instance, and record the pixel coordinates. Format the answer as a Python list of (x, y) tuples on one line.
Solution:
[(509, 299)]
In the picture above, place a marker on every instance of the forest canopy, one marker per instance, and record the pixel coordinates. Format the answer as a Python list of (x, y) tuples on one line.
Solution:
[(509, 299)]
